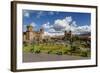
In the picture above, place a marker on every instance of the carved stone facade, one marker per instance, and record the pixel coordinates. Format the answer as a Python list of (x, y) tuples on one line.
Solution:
[(32, 36)]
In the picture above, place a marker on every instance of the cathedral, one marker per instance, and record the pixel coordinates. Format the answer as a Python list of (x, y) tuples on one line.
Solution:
[(31, 36)]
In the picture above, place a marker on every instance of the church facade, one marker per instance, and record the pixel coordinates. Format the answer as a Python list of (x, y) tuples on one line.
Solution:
[(30, 35)]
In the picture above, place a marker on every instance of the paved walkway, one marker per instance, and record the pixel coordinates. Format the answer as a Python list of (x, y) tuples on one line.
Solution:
[(29, 57)]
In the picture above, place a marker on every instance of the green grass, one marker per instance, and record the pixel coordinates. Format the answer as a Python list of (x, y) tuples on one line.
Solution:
[(56, 49), (27, 48)]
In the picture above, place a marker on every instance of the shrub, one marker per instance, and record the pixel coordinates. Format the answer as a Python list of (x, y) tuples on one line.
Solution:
[(49, 52), (59, 53), (66, 52), (37, 51), (31, 50), (74, 49), (84, 54), (25, 43)]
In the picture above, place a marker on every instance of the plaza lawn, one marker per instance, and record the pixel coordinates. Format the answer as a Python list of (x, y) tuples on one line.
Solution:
[(59, 49), (46, 48)]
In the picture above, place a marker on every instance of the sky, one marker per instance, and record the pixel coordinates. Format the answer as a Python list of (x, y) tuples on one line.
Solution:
[(57, 22)]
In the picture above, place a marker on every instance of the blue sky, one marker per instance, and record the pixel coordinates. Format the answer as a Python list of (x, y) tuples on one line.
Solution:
[(55, 20)]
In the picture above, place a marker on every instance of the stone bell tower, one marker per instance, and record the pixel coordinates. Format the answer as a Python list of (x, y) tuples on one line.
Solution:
[(29, 33), (42, 30), (30, 28)]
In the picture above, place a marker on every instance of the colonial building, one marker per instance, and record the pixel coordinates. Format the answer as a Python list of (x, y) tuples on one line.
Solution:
[(32, 36)]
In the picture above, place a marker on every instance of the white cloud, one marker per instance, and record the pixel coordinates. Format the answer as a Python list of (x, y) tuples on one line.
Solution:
[(33, 24), (51, 30), (85, 28), (39, 14), (63, 24), (24, 28), (59, 26), (47, 34), (53, 34), (67, 24), (60, 23), (47, 25), (68, 19), (26, 14), (81, 29), (74, 24)]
